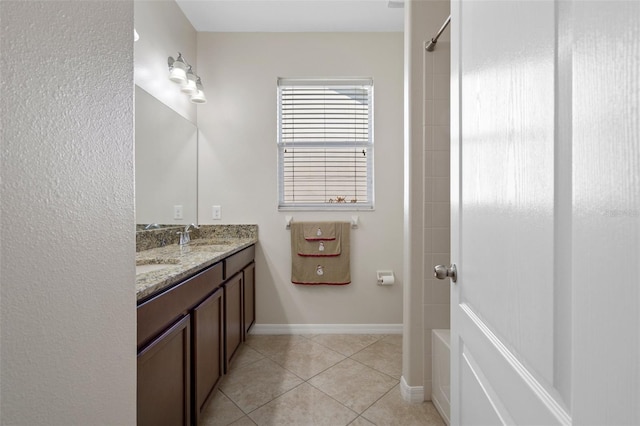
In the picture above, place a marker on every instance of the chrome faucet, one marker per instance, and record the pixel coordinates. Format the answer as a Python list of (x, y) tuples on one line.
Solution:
[(184, 236), (193, 225)]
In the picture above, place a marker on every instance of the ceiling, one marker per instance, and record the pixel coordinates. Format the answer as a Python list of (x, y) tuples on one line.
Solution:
[(294, 15)]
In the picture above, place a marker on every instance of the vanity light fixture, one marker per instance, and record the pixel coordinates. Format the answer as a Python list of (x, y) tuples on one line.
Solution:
[(182, 73), (198, 97), (177, 70), (190, 87)]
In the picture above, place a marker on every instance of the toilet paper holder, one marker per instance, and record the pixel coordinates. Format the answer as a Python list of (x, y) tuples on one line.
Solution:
[(385, 277)]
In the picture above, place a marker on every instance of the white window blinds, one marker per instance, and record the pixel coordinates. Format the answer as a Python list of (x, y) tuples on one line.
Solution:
[(325, 144)]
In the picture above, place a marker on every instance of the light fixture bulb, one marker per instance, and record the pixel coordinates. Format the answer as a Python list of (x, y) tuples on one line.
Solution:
[(177, 76), (177, 70), (190, 86), (198, 97)]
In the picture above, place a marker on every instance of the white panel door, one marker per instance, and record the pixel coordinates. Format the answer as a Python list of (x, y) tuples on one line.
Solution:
[(545, 183), (606, 212)]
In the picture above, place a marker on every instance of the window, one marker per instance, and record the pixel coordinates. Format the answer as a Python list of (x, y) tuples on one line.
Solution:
[(325, 144)]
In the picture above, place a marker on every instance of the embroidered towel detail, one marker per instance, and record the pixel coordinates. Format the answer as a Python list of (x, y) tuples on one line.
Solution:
[(313, 269), (320, 248), (319, 231)]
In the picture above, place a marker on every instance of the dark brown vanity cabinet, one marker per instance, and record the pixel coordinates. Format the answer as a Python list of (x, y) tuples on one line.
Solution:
[(208, 349), (187, 336), (178, 349), (249, 293), (164, 383), (233, 317), (239, 294)]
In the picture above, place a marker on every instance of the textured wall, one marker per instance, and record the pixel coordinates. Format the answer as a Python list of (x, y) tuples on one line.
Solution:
[(238, 166), (67, 223)]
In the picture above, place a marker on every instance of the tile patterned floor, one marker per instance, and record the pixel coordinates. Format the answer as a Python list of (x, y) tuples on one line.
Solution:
[(333, 380)]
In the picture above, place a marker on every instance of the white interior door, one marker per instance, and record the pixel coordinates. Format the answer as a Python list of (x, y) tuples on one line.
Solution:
[(545, 202)]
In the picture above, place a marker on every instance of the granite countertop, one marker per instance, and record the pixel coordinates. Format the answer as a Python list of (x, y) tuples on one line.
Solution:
[(160, 265), (177, 262)]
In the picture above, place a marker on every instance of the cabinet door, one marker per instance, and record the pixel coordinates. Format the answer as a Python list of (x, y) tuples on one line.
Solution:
[(249, 295), (207, 348), (233, 317), (163, 378)]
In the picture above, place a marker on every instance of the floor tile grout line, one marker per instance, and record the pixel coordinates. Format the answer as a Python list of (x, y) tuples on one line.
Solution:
[(236, 366), (374, 424), (294, 388), (320, 390), (358, 415), (294, 373), (375, 369), (234, 403), (376, 401), (311, 339), (339, 402), (296, 344), (272, 399), (359, 350), (307, 380), (267, 355)]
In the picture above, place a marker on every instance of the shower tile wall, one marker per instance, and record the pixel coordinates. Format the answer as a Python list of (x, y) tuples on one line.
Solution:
[(436, 195)]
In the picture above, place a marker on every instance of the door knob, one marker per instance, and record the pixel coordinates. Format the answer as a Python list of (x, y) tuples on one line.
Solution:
[(441, 272)]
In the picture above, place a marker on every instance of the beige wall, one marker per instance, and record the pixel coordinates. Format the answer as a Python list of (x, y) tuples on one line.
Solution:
[(426, 301), (437, 208), (164, 177), (68, 345), (238, 165)]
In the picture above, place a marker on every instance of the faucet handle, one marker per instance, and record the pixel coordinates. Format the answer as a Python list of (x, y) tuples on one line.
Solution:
[(183, 236)]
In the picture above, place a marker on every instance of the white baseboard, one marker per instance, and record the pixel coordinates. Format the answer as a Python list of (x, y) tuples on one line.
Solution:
[(327, 329), (412, 394)]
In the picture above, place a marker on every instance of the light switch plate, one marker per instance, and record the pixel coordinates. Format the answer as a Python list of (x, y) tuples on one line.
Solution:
[(177, 212), (216, 212)]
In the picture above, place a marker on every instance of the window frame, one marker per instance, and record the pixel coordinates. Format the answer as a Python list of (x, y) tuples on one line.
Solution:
[(369, 145)]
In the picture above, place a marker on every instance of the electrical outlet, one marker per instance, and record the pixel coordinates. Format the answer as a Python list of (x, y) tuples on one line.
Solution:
[(177, 212), (216, 213)]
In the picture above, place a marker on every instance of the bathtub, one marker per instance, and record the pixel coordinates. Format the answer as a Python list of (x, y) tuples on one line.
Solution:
[(440, 364)]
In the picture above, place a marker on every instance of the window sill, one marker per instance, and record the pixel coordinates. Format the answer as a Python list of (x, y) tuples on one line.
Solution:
[(327, 209)]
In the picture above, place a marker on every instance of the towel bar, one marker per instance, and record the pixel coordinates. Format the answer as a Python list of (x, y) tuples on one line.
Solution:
[(355, 221)]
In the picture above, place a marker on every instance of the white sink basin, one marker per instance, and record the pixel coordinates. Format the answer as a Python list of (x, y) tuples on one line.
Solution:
[(149, 266), (141, 269)]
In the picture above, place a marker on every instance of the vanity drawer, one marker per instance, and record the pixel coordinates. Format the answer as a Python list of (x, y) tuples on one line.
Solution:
[(236, 262), (159, 312)]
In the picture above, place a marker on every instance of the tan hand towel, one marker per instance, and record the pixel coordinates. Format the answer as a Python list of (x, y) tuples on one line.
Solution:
[(312, 270), (316, 231), (320, 248)]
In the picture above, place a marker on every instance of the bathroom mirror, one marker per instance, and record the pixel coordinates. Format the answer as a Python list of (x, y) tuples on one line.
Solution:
[(166, 155)]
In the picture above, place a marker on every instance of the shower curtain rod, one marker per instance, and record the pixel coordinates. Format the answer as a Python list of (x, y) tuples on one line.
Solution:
[(432, 44)]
